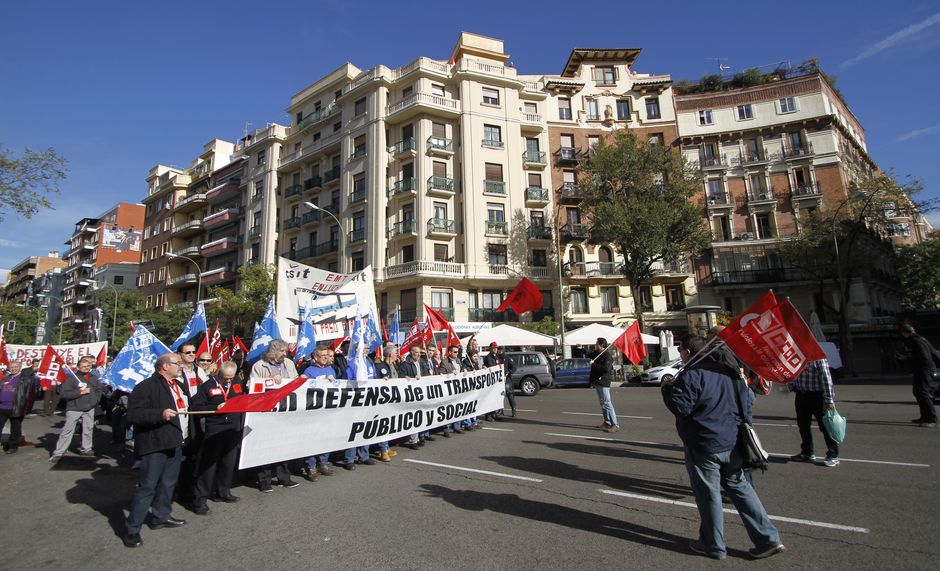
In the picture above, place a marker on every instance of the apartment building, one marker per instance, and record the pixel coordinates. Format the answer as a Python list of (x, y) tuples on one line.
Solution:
[(18, 288), (597, 94), (771, 154), (114, 237), (434, 173)]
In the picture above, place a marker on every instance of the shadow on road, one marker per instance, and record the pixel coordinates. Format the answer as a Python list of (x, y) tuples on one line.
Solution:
[(108, 491), (511, 504), (566, 471), (851, 421), (608, 451)]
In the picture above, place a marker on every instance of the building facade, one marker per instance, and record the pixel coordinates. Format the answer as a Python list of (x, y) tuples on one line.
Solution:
[(19, 289)]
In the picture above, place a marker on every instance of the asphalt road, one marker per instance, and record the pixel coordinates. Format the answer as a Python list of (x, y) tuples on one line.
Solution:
[(546, 490)]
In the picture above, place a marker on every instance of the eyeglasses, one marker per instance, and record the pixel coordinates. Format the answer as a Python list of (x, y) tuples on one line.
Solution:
[(177, 363), (205, 360), (188, 352)]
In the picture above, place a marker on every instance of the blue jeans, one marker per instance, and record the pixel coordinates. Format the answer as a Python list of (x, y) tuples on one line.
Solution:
[(383, 447), (318, 460), (706, 472), (362, 452), (607, 407), (156, 481)]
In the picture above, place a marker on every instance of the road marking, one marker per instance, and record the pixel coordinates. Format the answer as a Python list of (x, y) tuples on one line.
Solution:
[(521, 410), (771, 424), (884, 462), (609, 439), (498, 429), (618, 416), (731, 511), (474, 470)]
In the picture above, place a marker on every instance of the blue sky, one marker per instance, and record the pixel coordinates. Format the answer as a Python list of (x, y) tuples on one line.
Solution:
[(116, 87)]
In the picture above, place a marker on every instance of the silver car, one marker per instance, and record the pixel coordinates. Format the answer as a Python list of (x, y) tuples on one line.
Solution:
[(663, 372)]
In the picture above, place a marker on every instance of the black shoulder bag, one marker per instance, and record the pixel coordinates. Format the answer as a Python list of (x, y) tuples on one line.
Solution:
[(753, 455)]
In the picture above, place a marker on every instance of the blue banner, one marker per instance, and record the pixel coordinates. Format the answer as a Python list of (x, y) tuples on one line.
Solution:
[(136, 360)]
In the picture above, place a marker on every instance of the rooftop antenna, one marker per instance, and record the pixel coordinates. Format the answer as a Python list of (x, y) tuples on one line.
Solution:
[(245, 132), (721, 66)]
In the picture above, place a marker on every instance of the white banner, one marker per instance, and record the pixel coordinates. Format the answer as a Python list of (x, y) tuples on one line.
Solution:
[(71, 353), (334, 296), (324, 416)]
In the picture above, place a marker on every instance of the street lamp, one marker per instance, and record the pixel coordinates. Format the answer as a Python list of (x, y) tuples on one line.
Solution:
[(114, 318), (198, 274), (342, 236)]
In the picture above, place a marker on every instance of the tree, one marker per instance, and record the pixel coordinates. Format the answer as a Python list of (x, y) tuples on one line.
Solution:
[(547, 326), (919, 271), (844, 242), (241, 309), (26, 182), (638, 196), (26, 318)]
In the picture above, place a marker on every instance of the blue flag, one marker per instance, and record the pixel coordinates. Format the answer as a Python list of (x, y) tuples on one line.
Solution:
[(197, 324), (306, 340), (264, 333), (136, 360)]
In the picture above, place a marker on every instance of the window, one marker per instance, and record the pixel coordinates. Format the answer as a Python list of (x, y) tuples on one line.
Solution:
[(623, 109), (262, 157), (539, 258), (150, 277), (605, 75), (675, 299), (567, 141), (337, 126), (705, 117), (359, 107), (259, 188), (492, 136), (787, 104), (166, 224), (652, 108), (118, 280), (408, 253), (609, 301), (646, 298), (758, 186), (530, 107), (147, 233), (578, 300), (564, 108), (715, 191), (359, 146), (655, 139), (593, 113), (256, 220), (492, 299), (337, 94), (490, 96), (535, 180), (149, 300), (440, 253), (902, 229), (497, 257), (161, 274), (407, 91), (440, 210), (494, 172), (495, 212), (438, 89), (358, 261), (745, 112), (442, 299), (763, 226)]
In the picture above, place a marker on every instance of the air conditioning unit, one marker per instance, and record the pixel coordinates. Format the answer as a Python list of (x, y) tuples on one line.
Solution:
[(711, 201), (747, 236), (765, 196)]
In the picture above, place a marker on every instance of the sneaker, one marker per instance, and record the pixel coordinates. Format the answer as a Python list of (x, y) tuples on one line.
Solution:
[(612, 429), (803, 457), (830, 461), (392, 453), (290, 484), (928, 425), (267, 488), (762, 552), (54, 459), (697, 547)]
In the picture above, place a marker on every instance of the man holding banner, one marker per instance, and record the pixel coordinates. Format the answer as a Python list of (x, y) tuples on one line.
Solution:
[(272, 370)]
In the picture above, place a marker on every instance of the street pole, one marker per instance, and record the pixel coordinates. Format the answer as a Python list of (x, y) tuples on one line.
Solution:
[(198, 275), (114, 317), (342, 235)]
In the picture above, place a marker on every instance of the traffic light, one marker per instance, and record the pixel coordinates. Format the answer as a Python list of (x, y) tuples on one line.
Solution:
[(11, 325)]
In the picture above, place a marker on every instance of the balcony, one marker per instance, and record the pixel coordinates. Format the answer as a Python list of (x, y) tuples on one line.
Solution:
[(325, 248), (719, 200), (219, 247), (312, 217), (293, 222), (313, 182), (678, 268), (539, 232), (805, 191), (761, 196), (799, 152), (357, 235), (224, 190), (293, 191), (492, 143), (439, 269), (497, 228), (188, 251), (221, 218), (331, 175), (486, 314), (764, 275), (403, 186), (315, 118), (256, 198), (575, 232), (749, 158), (570, 193), (568, 155), (403, 228), (494, 187), (713, 163), (532, 121), (255, 231), (441, 185), (536, 196), (188, 229), (192, 202), (592, 270), (302, 253), (332, 207), (403, 148), (357, 196), (534, 159), (440, 146), (442, 227), (217, 276), (422, 103), (184, 279)]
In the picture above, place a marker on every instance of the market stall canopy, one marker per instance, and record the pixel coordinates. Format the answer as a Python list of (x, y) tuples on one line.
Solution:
[(588, 335), (509, 336)]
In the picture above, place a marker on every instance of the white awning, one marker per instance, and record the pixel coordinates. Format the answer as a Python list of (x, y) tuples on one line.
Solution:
[(588, 335), (509, 336)]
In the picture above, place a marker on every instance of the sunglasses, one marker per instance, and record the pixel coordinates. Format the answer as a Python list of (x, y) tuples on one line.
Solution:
[(205, 360), (189, 352)]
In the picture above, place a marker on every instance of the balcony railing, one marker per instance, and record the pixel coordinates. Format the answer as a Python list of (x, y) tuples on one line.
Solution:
[(576, 231), (540, 232), (425, 100), (402, 146), (493, 143), (191, 199), (326, 248), (401, 228), (191, 225), (592, 269), (534, 158), (441, 183), (494, 187), (570, 191), (357, 196), (401, 186), (331, 175), (568, 155), (317, 116), (761, 195), (719, 199), (293, 222), (806, 190), (254, 231), (313, 182), (293, 190), (531, 118), (357, 235), (442, 226), (310, 217), (440, 145), (187, 251), (804, 150), (450, 269), (497, 227), (536, 194), (182, 278), (766, 275), (712, 162)]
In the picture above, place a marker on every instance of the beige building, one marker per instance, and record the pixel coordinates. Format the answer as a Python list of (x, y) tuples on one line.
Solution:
[(21, 275)]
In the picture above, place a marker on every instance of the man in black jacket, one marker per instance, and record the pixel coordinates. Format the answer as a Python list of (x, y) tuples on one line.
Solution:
[(159, 430), (920, 354), (13, 389), (602, 372)]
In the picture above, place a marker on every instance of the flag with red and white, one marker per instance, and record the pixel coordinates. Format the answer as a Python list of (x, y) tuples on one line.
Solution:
[(630, 343), (438, 322), (418, 334), (52, 369)]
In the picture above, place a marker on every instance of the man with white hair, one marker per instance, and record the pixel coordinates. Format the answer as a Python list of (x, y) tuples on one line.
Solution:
[(81, 393), (217, 456), (272, 370)]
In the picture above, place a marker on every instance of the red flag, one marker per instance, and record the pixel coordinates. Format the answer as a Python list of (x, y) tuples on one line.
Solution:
[(439, 323), (417, 335), (524, 297), (766, 301), (51, 369), (102, 357), (237, 344), (203, 345), (776, 345), (215, 343), (261, 402), (631, 344), (4, 357)]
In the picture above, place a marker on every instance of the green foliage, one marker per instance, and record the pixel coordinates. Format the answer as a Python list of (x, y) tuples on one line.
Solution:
[(639, 197), (241, 309), (751, 76), (919, 271), (26, 182), (711, 82), (26, 318), (547, 326), (131, 308)]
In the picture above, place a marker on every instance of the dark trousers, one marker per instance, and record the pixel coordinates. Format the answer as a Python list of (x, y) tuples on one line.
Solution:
[(50, 400), (216, 465), (511, 394), (924, 387), (280, 472), (16, 428), (810, 405), (158, 474)]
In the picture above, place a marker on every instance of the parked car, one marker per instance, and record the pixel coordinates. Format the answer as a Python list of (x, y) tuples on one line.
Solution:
[(532, 371), (663, 372), (573, 373)]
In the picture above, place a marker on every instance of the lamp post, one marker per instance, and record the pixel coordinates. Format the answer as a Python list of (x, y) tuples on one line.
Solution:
[(114, 317), (342, 235), (198, 274)]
